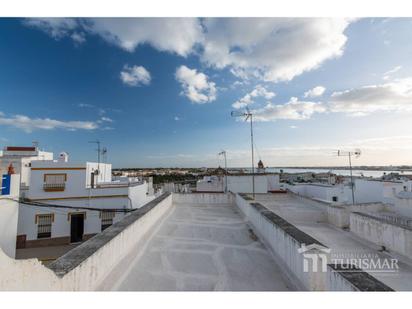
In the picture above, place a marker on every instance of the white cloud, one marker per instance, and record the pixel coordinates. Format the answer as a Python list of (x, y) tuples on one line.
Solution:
[(78, 37), (293, 127), (259, 91), (272, 49), (196, 85), (387, 75), (314, 92), (294, 109), (28, 124), (276, 49), (57, 28), (105, 119), (390, 97), (135, 76), (176, 35), (85, 105)]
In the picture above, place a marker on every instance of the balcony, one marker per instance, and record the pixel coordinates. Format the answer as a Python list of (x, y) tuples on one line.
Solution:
[(54, 187)]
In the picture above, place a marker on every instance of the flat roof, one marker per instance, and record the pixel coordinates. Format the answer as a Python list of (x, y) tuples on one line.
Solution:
[(312, 219), (204, 248)]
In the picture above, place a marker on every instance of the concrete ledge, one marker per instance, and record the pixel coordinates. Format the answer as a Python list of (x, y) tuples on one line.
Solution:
[(86, 267), (298, 235), (284, 240), (75, 257), (357, 279), (383, 220), (203, 198), (286, 243), (382, 232)]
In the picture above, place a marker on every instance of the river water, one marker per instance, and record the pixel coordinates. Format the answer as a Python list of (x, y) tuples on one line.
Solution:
[(356, 172)]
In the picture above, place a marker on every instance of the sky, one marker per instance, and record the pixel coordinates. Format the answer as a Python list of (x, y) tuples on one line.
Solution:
[(158, 92)]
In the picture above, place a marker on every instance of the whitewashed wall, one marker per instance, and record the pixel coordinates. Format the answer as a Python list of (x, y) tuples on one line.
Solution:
[(379, 232), (403, 204), (9, 210), (244, 184), (285, 249), (321, 192), (31, 275), (203, 198)]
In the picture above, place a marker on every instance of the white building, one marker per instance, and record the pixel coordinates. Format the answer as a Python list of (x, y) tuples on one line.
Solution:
[(264, 183), (86, 186), (365, 191), (20, 158), (9, 208)]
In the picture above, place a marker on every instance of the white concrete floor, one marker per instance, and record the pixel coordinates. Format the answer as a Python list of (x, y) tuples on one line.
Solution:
[(203, 248), (312, 220)]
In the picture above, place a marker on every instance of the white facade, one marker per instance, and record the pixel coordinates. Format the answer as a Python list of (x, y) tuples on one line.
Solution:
[(20, 158), (239, 183), (365, 191), (87, 185), (9, 210), (403, 203)]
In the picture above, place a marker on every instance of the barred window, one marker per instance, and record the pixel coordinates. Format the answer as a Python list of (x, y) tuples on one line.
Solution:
[(44, 225), (107, 219), (54, 182)]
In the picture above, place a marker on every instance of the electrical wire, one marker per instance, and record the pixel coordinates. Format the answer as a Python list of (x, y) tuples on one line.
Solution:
[(46, 205)]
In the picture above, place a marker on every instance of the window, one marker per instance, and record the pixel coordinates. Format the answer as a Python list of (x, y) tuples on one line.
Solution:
[(54, 182), (44, 225), (107, 219)]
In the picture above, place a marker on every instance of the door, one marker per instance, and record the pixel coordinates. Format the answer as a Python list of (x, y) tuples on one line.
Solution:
[(76, 227)]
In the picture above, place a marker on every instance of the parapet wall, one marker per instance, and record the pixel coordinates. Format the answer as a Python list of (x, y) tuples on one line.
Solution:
[(85, 267), (348, 278), (284, 240), (382, 232), (203, 198)]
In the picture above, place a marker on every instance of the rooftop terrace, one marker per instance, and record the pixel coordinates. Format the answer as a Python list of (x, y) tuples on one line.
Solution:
[(209, 242), (203, 247), (311, 218)]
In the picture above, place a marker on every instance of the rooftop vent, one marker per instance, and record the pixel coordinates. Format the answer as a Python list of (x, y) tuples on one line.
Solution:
[(63, 157)]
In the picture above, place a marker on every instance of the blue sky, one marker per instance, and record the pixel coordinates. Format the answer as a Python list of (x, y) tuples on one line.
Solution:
[(159, 92)]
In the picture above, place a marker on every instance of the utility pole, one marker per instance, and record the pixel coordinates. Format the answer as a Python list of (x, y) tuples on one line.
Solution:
[(223, 152), (356, 153), (253, 154), (248, 115)]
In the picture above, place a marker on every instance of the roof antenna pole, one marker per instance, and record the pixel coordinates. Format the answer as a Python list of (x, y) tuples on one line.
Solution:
[(356, 153), (223, 152), (98, 153), (248, 115)]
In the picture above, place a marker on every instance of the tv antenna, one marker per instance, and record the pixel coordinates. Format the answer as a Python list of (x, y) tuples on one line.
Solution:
[(349, 154), (97, 142), (104, 154), (223, 152), (248, 114)]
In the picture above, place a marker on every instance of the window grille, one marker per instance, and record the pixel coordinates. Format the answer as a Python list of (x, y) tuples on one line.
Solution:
[(44, 225), (54, 182), (107, 219)]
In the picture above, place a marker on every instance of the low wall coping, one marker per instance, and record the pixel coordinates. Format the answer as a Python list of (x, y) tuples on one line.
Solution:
[(76, 256), (360, 279), (297, 234), (383, 220)]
